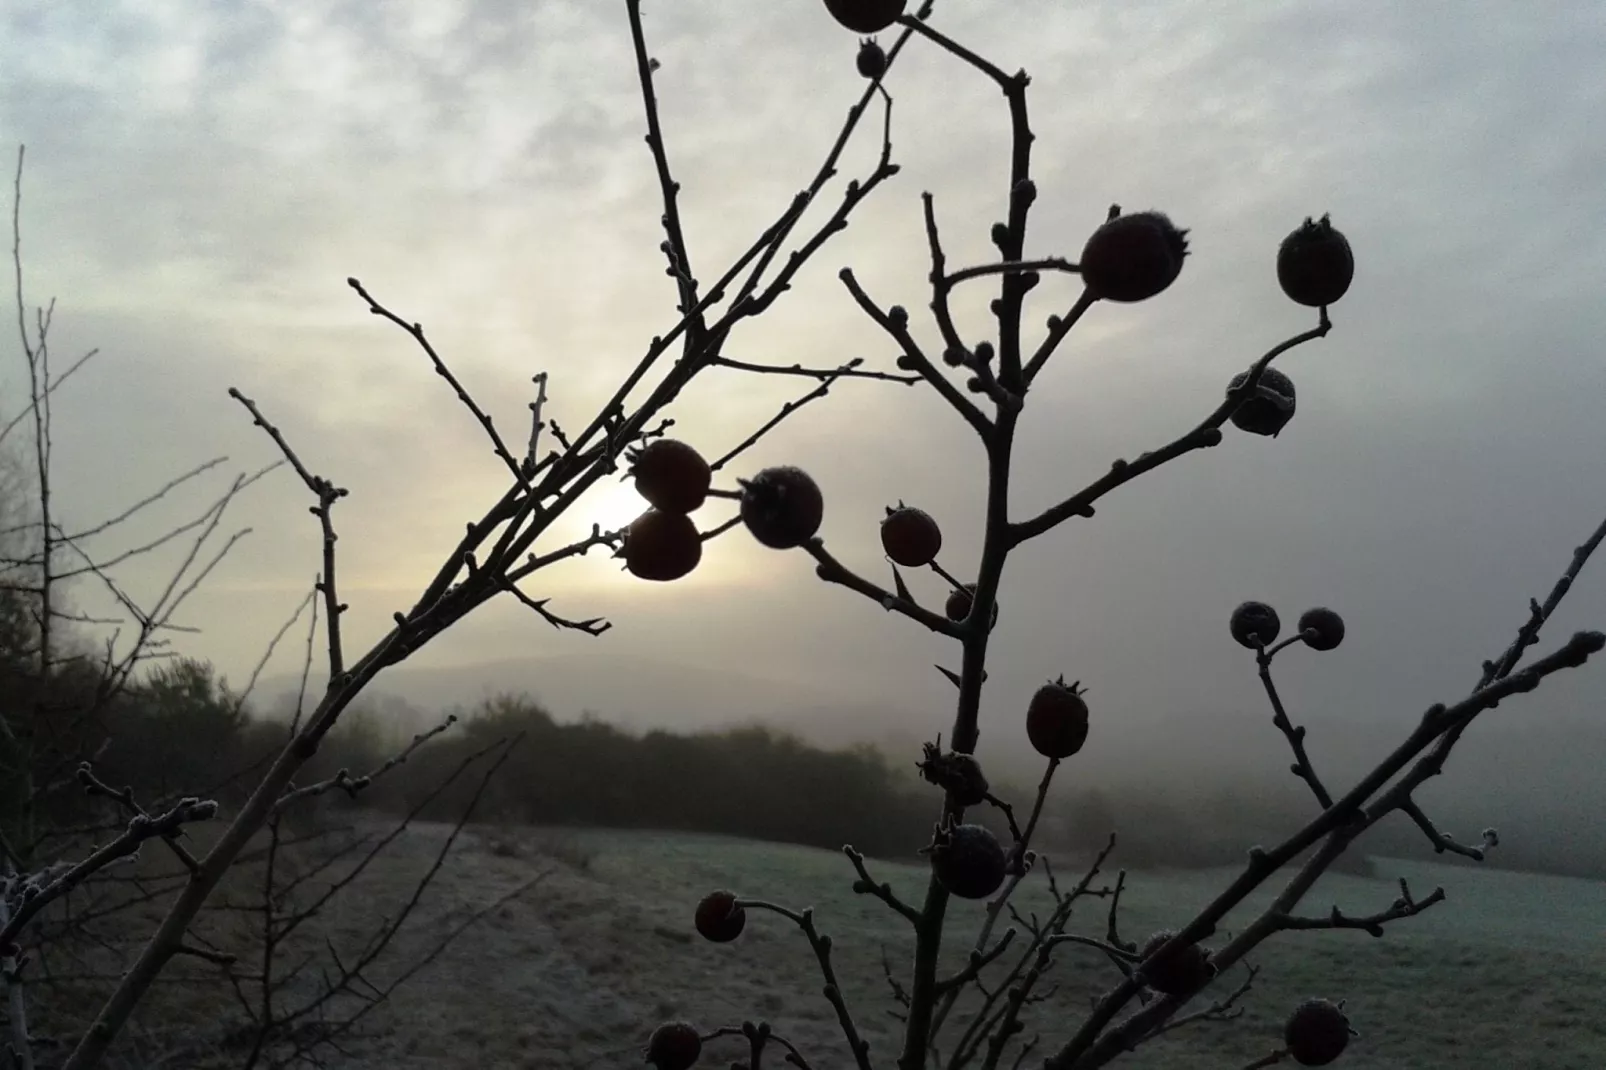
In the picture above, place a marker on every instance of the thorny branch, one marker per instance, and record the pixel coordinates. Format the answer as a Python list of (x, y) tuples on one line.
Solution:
[(833, 571)]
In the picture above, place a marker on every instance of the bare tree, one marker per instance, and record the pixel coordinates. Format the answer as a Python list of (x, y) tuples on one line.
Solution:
[(987, 383), (60, 688), (548, 473)]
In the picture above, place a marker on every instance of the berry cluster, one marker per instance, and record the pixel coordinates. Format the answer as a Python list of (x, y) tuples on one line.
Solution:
[(663, 543), (1256, 624)]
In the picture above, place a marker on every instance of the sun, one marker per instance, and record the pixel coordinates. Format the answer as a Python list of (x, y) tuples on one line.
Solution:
[(611, 504)]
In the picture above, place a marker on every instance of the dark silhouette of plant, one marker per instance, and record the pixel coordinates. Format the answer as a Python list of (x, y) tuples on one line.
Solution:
[(1128, 258), (549, 472)]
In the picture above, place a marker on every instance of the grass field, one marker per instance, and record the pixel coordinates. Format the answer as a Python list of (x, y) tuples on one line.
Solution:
[(1510, 972)]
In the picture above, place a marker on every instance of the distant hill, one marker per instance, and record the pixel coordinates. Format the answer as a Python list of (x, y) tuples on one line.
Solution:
[(636, 693), (1531, 769)]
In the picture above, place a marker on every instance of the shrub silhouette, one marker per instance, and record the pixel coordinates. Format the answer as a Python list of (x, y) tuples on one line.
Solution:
[(1129, 257), (594, 772)]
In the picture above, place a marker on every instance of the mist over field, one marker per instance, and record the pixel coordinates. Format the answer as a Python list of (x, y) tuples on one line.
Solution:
[(1531, 770)]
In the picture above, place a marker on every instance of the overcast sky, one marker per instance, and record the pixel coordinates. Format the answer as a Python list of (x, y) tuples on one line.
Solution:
[(202, 178)]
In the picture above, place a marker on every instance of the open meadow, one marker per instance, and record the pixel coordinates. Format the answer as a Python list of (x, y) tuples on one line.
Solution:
[(575, 971)]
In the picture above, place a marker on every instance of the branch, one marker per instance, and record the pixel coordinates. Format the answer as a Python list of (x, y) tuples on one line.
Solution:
[(786, 410), (20, 1045), (41, 890), (821, 945), (44, 396), (675, 244), (442, 603), (1009, 237), (833, 571), (896, 323), (1092, 1047), (1539, 615), (979, 360), (1442, 842), (996, 1027), (1205, 435), (757, 1035), (978, 961), (344, 781), (94, 786), (1403, 907), (531, 465), (327, 494), (1011, 267), (1527, 635), (151, 499), (1302, 766), (867, 885), (1018, 866), (828, 168), (1221, 1010), (747, 304), (376, 945), (598, 537), (850, 370), (416, 331), (1058, 328), (592, 626)]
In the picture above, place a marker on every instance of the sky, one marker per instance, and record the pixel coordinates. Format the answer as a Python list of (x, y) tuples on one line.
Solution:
[(201, 179)]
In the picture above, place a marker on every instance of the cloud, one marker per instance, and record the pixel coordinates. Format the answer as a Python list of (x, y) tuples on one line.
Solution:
[(201, 180)]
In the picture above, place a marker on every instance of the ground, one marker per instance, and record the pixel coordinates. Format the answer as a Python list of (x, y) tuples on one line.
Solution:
[(577, 970)]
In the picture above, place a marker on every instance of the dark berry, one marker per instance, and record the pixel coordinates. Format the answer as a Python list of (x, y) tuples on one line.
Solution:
[(1321, 628), (865, 16), (957, 608), (719, 919), (1317, 1032), (1133, 257), (674, 1046), (1314, 264), (968, 860), (782, 507), (910, 536), (1268, 410), (1253, 620), (662, 546), (958, 774), (871, 60), (1181, 972), (671, 475), (1056, 719)]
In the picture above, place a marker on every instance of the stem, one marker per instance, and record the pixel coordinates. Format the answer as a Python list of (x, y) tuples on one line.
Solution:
[(966, 730)]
